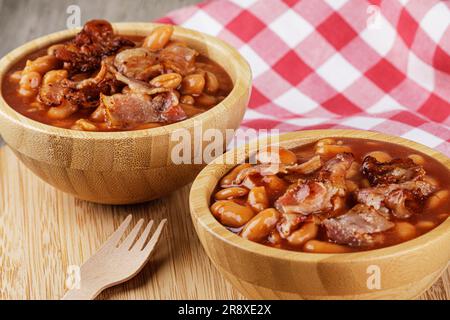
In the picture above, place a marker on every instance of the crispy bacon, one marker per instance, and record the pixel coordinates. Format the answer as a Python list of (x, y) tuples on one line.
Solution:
[(89, 82), (179, 58), (138, 64), (83, 93), (127, 110), (52, 92), (267, 169), (307, 197), (317, 196), (400, 199), (139, 87), (305, 168), (96, 41), (335, 170), (395, 171), (403, 203), (357, 227), (142, 103)]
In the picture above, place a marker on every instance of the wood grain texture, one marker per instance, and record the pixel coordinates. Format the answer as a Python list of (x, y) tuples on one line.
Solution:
[(73, 229), (117, 261), (406, 270), (131, 166), (43, 231)]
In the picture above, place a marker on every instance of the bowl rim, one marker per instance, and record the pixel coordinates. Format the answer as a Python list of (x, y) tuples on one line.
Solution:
[(241, 84), (201, 214)]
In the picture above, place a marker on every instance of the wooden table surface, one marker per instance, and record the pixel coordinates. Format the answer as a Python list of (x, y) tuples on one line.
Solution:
[(43, 231)]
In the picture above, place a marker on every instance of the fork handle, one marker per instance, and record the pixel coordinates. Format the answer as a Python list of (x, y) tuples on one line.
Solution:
[(83, 293)]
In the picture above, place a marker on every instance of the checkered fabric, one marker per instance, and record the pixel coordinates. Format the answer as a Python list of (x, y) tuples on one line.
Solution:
[(374, 65)]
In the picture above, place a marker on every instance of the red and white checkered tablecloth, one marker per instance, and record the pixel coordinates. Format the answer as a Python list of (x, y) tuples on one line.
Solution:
[(375, 65)]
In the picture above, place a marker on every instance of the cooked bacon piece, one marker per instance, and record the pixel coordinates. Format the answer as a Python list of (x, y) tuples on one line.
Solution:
[(83, 93), (335, 170), (395, 171), (179, 58), (89, 96), (127, 110), (401, 199), (289, 223), (169, 113), (137, 63), (89, 82), (51, 92), (403, 203), (55, 94), (316, 197), (305, 168), (267, 169), (140, 87), (306, 198), (89, 50), (95, 41), (357, 227)]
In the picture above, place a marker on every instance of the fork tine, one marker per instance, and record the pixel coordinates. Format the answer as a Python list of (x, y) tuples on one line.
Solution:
[(115, 237), (154, 239), (143, 238), (132, 236)]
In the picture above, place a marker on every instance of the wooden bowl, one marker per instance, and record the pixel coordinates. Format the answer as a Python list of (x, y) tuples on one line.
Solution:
[(257, 271), (121, 167)]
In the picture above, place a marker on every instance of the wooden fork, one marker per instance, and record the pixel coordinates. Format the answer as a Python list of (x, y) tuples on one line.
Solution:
[(116, 262)]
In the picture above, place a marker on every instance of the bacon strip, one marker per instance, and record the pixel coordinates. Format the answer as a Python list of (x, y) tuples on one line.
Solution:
[(396, 198), (357, 226), (267, 169), (90, 46), (395, 171), (129, 110)]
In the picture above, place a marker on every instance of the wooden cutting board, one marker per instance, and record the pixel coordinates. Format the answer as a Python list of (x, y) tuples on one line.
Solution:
[(43, 231)]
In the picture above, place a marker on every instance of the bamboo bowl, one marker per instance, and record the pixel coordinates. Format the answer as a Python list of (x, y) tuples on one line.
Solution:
[(121, 167), (260, 272)]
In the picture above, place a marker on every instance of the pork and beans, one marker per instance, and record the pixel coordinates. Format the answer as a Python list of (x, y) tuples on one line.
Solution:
[(334, 196), (100, 81)]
